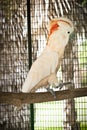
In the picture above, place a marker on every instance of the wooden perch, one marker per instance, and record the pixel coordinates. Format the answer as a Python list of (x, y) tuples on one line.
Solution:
[(18, 99)]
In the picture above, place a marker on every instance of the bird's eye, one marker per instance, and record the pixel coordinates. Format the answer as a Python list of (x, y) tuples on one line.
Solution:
[(68, 32)]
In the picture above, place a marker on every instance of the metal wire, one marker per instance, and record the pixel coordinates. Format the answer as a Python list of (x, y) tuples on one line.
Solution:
[(13, 60), (17, 54), (67, 114)]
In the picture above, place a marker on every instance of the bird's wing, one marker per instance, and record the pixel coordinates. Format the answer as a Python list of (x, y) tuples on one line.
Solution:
[(44, 66)]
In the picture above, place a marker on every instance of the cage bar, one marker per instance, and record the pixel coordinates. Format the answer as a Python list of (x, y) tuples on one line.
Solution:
[(23, 36)]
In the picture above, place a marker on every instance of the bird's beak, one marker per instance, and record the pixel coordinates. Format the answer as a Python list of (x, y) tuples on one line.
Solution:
[(72, 36)]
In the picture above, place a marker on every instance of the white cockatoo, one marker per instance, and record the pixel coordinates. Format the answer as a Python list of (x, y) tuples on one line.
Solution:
[(43, 71)]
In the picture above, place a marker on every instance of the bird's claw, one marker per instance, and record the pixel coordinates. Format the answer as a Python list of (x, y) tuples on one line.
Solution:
[(51, 91), (61, 84)]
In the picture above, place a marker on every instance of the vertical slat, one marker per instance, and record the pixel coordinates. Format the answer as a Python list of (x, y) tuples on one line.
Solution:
[(30, 57)]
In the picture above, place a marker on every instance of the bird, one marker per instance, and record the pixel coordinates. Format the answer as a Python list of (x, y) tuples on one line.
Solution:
[(43, 72)]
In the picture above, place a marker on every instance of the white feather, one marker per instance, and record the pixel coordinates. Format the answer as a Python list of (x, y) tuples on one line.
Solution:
[(44, 66), (44, 69)]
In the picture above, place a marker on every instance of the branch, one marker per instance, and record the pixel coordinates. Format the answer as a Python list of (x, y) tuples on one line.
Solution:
[(18, 99)]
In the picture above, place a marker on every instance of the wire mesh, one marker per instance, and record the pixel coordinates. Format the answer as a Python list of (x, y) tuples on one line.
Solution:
[(13, 60), (68, 114)]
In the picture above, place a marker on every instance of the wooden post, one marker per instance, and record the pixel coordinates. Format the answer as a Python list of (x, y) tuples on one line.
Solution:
[(70, 120), (68, 73)]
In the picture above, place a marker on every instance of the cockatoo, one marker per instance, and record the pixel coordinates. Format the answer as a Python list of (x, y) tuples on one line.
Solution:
[(43, 71)]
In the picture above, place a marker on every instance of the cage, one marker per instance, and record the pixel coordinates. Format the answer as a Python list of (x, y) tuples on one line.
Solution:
[(23, 36)]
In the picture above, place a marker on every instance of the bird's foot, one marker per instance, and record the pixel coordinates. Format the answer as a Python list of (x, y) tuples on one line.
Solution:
[(51, 91), (61, 84)]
